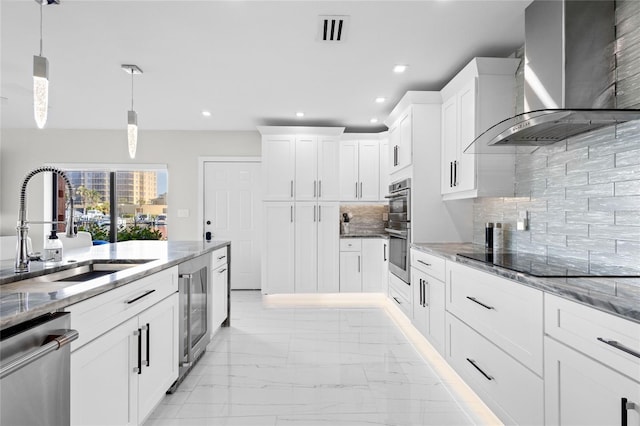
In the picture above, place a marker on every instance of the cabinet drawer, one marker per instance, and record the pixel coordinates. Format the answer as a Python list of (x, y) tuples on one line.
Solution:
[(513, 392), (505, 312), (400, 286), (219, 258), (428, 263), (97, 315), (350, 244), (588, 330), (400, 301)]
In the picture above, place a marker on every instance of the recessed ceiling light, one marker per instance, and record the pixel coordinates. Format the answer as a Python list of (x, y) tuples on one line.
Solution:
[(399, 69), (299, 114), (373, 120), (380, 100), (206, 113)]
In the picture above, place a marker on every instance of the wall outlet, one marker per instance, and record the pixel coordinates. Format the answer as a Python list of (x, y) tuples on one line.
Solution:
[(523, 221), (183, 212)]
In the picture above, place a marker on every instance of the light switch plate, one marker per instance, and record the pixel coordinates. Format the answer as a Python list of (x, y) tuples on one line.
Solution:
[(523, 221)]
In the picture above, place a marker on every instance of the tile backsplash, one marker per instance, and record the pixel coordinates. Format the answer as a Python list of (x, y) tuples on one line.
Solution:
[(366, 217), (582, 194)]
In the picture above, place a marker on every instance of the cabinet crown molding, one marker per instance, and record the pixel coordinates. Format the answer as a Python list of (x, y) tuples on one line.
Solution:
[(300, 130), (410, 98)]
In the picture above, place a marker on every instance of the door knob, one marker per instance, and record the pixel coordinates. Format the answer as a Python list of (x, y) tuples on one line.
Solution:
[(207, 236)]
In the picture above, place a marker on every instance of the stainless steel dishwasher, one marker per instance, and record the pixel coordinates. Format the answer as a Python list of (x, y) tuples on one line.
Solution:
[(35, 370)]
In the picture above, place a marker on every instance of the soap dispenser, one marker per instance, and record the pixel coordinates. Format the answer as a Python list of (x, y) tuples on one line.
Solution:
[(53, 248)]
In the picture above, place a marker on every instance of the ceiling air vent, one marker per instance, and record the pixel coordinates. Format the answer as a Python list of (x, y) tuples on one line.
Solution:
[(332, 28)]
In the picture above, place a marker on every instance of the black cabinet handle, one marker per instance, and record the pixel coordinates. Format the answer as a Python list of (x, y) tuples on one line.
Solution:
[(623, 411), (450, 174), (479, 369), (455, 173), (473, 299), (619, 346), (139, 334), (396, 299), (148, 342), (424, 263), (384, 252), (424, 293), (421, 292), (128, 302)]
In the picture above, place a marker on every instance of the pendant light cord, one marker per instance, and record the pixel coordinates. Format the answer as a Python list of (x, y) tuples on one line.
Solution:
[(40, 28)]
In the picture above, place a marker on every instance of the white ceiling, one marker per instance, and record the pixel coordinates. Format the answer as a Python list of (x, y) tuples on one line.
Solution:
[(249, 62)]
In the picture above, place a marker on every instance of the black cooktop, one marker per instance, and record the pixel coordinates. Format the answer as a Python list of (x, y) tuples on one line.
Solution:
[(546, 266)]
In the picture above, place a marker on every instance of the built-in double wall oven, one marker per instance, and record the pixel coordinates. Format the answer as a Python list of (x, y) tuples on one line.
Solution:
[(399, 228)]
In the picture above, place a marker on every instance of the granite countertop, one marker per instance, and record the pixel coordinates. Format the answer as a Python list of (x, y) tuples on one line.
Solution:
[(618, 296), (366, 234), (19, 304)]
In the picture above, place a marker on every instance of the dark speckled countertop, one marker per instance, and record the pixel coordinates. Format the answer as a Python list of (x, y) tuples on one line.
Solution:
[(618, 296), (18, 305), (366, 234)]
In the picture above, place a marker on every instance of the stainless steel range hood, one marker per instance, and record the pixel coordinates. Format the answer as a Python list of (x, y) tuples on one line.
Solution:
[(569, 77)]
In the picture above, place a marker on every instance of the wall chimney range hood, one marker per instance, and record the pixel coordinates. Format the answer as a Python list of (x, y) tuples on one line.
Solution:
[(569, 77)]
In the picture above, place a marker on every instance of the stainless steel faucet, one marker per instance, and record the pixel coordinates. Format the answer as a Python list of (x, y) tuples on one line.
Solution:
[(22, 256)]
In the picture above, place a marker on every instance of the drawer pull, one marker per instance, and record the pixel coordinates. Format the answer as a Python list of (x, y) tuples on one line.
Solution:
[(472, 362), (620, 346), (424, 263), (473, 299), (222, 271), (222, 257), (396, 299), (624, 406), (128, 302)]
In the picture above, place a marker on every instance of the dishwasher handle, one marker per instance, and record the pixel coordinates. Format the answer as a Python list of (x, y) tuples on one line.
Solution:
[(54, 344)]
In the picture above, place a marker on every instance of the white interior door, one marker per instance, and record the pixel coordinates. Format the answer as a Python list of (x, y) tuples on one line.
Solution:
[(232, 212)]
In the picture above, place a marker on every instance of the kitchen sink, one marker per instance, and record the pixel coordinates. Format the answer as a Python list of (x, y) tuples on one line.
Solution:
[(74, 274)]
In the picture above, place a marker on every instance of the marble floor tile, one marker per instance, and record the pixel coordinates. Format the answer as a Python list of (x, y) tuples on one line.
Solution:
[(312, 365)]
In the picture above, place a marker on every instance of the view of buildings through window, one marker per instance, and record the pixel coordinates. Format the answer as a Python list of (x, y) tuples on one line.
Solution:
[(139, 198)]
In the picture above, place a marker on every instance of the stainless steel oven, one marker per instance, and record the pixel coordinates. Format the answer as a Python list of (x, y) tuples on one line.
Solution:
[(399, 228), (194, 314)]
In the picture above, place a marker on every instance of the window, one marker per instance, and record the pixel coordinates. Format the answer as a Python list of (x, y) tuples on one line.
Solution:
[(116, 203)]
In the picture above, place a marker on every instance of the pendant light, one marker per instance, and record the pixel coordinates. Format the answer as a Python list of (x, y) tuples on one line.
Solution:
[(132, 115), (41, 78)]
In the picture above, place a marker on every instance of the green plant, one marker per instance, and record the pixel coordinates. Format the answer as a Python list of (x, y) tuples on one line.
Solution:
[(139, 233), (97, 232)]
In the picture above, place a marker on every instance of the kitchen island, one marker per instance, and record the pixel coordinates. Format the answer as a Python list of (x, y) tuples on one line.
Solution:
[(19, 303)]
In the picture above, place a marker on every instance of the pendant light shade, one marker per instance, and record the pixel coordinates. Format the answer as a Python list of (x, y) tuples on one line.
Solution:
[(40, 90), (41, 78), (132, 132), (132, 115)]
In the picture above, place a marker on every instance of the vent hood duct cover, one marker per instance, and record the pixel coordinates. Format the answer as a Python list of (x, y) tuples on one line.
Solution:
[(569, 78)]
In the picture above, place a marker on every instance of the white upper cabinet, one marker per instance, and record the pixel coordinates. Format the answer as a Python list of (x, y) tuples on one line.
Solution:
[(479, 96), (278, 167), (301, 163), (359, 170), (384, 168), (401, 141)]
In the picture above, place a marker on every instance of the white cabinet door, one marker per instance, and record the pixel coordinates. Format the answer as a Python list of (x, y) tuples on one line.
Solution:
[(103, 386), (372, 261), (278, 163), (406, 140), (159, 325), (384, 170), (420, 301), (436, 297), (394, 146), (349, 178), (306, 166), (306, 247), (328, 247), (385, 266), (580, 391), (465, 173), (369, 170), (350, 272), (449, 142), (219, 295), (278, 253), (328, 169)]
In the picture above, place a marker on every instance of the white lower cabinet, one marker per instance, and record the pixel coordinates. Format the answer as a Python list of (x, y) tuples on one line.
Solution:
[(119, 377), (592, 366), (428, 307), (362, 265), (512, 391), (580, 391), (278, 248), (219, 296)]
